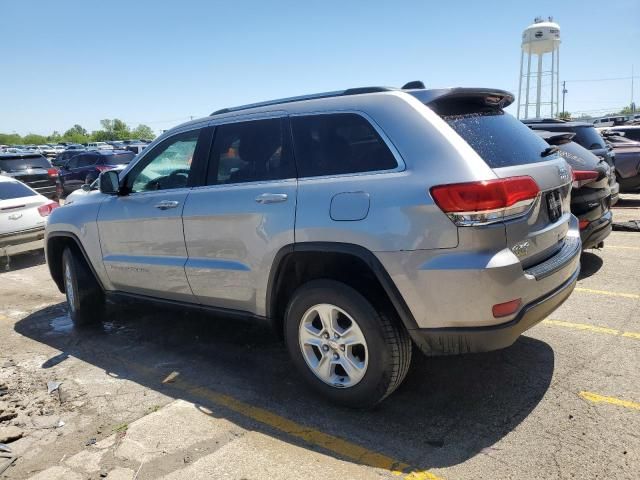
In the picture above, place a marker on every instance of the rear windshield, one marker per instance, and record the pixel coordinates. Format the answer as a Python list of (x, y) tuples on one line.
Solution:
[(9, 190), (119, 159), (29, 161), (589, 138), (500, 139), (578, 157)]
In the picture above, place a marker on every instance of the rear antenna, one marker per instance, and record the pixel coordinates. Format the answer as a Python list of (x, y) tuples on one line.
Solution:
[(415, 84)]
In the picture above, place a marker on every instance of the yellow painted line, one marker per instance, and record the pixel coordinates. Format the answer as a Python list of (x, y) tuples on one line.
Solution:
[(583, 326), (596, 398), (337, 445), (328, 442), (606, 292), (592, 328)]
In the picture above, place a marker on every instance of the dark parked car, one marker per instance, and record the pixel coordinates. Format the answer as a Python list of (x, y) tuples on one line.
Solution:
[(64, 157), (593, 182), (585, 135), (627, 153), (30, 168), (87, 166)]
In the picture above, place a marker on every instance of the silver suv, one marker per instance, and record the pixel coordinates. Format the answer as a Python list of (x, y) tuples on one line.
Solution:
[(355, 222)]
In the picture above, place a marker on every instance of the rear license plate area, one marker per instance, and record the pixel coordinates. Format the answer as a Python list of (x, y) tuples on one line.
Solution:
[(554, 205)]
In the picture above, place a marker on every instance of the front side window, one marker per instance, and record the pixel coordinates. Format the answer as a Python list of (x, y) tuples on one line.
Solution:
[(340, 143), (250, 151), (167, 166)]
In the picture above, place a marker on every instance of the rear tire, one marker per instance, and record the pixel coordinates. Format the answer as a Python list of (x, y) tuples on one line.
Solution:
[(85, 298), (376, 348)]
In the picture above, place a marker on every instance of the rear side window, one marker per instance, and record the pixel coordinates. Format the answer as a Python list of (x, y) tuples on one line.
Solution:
[(250, 152), (86, 161), (340, 143), (9, 190), (500, 139), (120, 159), (28, 161)]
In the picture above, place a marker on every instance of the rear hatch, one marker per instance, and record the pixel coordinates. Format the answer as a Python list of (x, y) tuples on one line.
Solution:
[(19, 208), (32, 169), (511, 149)]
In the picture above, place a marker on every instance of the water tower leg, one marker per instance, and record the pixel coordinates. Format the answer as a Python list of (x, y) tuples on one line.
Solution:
[(553, 71), (520, 84), (558, 80), (526, 105), (539, 86)]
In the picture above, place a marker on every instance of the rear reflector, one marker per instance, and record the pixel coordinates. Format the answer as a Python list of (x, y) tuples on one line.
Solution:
[(583, 177), (486, 201), (583, 224), (46, 209), (507, 308)]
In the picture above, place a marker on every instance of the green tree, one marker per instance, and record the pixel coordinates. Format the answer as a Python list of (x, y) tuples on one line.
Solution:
[(564, 115), (10, 139), (142, 131), (34, 139), (55, 137), (112, 129), (76, 130)]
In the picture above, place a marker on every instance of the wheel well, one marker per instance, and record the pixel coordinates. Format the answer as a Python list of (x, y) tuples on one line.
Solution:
[(297, 268), (55, 248)]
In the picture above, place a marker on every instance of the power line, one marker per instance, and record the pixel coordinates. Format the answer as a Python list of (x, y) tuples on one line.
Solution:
[(603, 79)]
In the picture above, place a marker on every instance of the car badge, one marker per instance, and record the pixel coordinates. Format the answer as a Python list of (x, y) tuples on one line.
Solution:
[(15, 216), (563, 173)]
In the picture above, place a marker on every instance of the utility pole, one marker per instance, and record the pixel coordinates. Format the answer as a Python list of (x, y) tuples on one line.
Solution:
[(564, 92), (633, 105)]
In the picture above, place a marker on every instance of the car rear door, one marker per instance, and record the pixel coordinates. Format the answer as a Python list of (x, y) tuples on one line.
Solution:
[(141, 232), (236, 223)]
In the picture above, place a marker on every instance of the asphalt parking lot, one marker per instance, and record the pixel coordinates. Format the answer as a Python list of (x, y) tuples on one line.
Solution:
[(169, 394)]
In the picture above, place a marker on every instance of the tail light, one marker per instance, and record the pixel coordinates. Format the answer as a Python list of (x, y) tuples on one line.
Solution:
[(584, 177), (583, 224), (52, 172), (46, 209), (103, 168), (488, 201)]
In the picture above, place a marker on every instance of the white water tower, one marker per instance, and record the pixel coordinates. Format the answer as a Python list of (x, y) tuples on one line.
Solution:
[(539, 39)]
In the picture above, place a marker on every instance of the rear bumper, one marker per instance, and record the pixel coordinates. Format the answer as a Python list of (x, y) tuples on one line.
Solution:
[(24, 241), (448, 341), (596, 231), (454, 290)]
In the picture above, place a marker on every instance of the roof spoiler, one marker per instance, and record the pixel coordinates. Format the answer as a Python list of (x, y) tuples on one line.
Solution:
[(555, 138)]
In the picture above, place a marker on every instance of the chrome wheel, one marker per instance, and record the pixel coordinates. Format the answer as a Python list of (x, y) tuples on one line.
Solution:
[(68, 286), (333, 345)]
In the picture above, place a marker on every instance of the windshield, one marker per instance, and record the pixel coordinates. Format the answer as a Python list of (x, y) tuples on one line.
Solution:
[(23, 163), (9, 190), (500, 139)]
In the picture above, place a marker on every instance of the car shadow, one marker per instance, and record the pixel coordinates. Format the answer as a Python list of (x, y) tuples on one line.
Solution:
[(628, 202), (590, 263), (448, 410), (21, 261)]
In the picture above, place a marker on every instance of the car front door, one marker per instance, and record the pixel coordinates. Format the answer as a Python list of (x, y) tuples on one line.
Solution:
[(235, 224), (141, 232)]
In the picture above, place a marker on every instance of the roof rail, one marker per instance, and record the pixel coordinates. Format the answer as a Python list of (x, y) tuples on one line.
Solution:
[(339, 93)]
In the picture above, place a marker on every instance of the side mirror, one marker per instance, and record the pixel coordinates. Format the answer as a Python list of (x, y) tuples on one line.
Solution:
[(109, 182)]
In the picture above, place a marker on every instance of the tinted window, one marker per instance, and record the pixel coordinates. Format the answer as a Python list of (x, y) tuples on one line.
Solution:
[(588, 137), (500, 139), (86, 160), (338, 143), (249, 152), (29, 161), (118, 159), (167, 166), (10, 190), (632, 134)]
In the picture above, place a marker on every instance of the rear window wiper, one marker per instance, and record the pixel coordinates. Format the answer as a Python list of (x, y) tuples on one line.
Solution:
[(549, 151)]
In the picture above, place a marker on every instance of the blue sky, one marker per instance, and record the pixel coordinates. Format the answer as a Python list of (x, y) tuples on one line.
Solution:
[(66, 62)]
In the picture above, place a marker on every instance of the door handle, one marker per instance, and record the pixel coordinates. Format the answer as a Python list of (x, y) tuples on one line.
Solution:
[(271, 198), (167, 204)]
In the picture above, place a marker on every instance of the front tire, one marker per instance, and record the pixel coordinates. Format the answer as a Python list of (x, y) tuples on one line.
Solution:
[(345, 348), (85, 298)]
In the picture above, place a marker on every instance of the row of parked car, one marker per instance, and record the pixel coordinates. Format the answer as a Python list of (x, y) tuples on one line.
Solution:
[(355, 222)]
